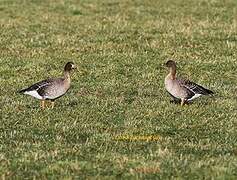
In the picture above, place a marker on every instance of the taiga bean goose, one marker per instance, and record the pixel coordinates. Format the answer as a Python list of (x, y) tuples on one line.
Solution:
[(51, 89), (182, 90)]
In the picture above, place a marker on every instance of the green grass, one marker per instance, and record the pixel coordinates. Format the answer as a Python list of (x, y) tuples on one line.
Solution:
[(120, 47)]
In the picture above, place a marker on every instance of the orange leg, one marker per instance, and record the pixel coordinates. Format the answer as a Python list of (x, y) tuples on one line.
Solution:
[(52, 104), (42, 104), (182, 102)]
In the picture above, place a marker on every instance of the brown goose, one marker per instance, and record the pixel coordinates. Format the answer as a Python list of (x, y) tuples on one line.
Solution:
[(180, 89), (51, 89)]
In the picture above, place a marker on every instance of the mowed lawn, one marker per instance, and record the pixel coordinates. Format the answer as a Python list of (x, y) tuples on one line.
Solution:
[(102, 127)]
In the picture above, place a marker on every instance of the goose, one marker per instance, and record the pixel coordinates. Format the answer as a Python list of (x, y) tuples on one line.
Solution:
[(52, 88), (182, 90)]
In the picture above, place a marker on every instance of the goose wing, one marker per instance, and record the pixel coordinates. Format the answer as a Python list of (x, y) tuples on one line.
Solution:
[(38, 86), (189, 92), (195, 88)]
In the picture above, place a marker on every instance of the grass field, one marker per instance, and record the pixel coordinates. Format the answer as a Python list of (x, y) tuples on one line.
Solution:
[(103, 127)]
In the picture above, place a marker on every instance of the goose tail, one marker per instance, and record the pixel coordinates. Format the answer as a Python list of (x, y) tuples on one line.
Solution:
[(22, 91), (206, 91), (209, 91)]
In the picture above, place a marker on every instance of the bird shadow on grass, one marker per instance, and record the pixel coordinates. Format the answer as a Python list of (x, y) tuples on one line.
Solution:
[(32, 106), (73, 103)]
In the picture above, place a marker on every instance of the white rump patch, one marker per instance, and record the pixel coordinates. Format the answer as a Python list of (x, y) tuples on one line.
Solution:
[(34, 94), (194, 97)]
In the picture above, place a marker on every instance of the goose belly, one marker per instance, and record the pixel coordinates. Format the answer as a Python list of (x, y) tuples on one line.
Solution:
[(53, 93)]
